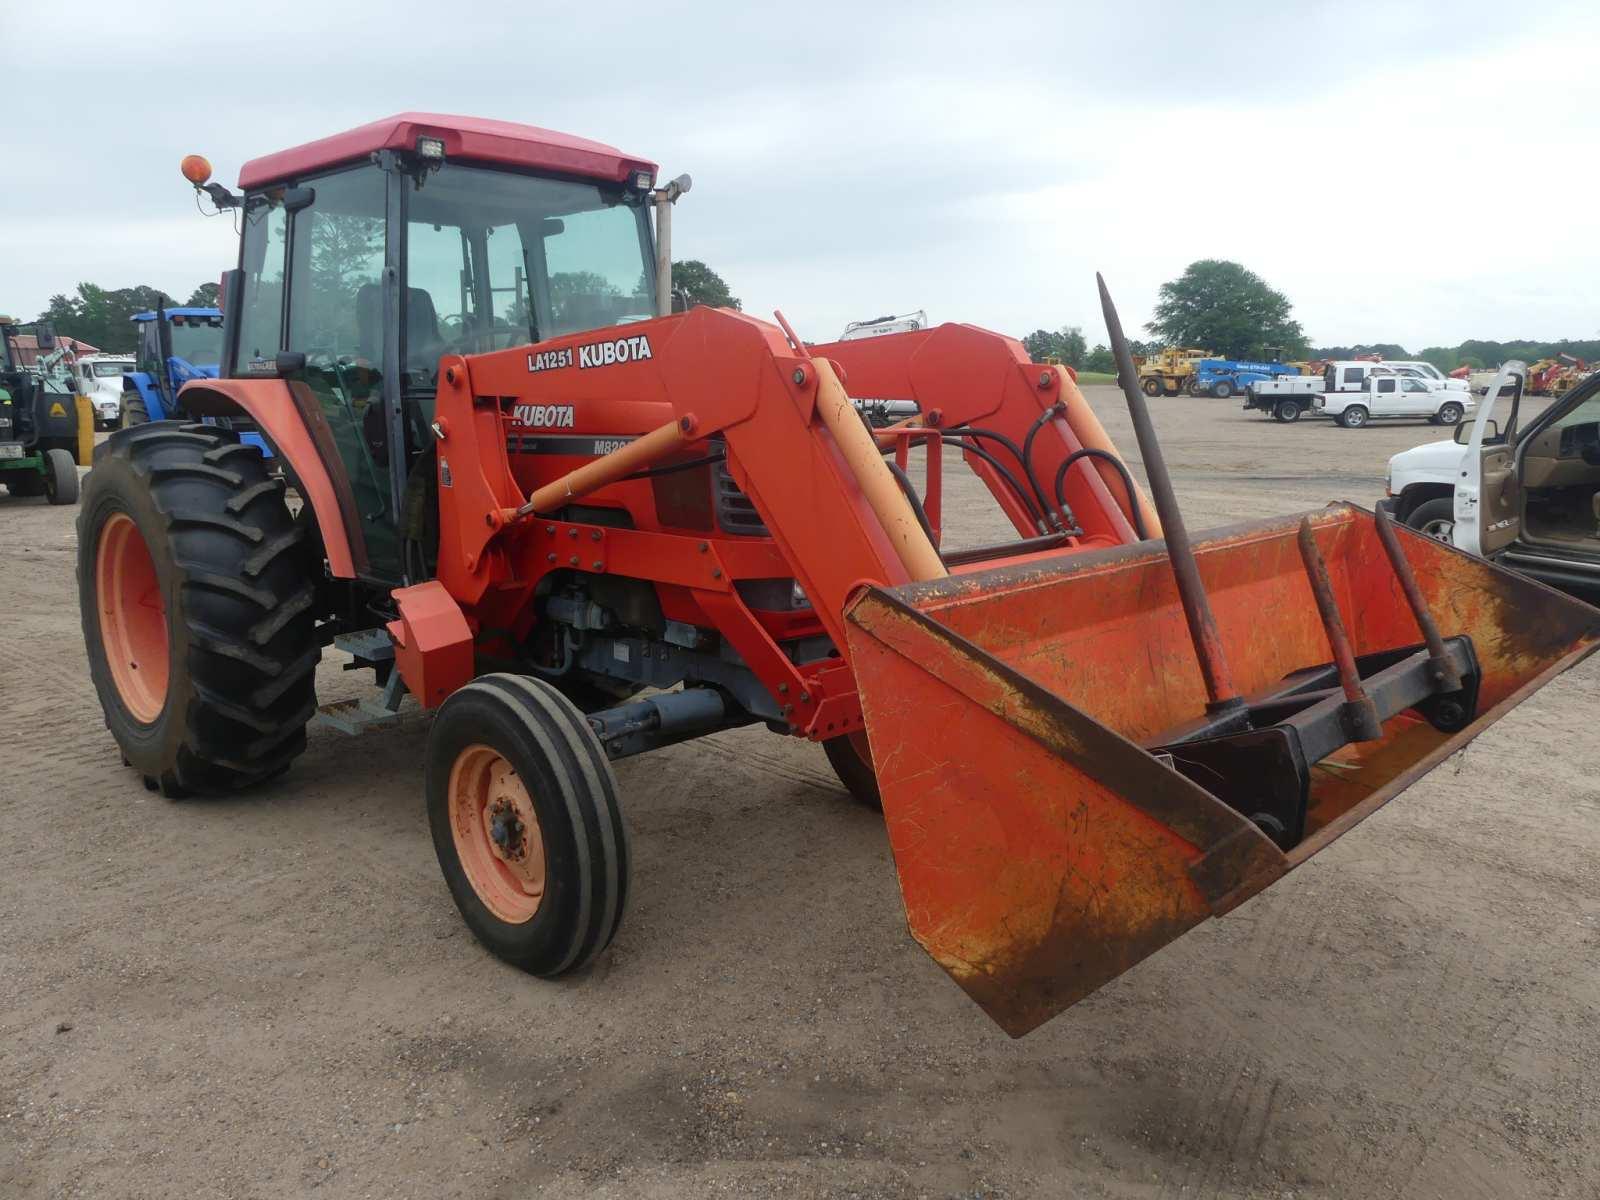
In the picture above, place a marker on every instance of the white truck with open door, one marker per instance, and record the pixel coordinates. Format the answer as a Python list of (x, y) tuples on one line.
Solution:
[(1523, 491)]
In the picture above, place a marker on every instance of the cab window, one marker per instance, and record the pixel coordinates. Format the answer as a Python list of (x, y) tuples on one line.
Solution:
[(261, 259), (336, 305)]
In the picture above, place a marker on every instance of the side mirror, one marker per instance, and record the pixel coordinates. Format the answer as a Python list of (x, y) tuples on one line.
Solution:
[(1463, 432), (45, 336)]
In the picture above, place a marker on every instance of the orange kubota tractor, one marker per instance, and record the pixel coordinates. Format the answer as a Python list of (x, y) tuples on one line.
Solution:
[(577, 525)]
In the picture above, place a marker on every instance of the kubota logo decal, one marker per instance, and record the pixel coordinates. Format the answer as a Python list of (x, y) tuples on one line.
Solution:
[(543, 416), (609, 354)]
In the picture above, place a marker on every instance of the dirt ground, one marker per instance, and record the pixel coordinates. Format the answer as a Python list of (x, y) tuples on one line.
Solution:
[(272, 996)]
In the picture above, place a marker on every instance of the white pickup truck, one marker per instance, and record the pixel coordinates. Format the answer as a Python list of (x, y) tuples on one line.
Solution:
[(1385, 396), (1527, 496), (1428, 373), (1288, 397)]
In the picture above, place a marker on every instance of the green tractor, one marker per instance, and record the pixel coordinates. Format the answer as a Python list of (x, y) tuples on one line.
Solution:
[(39, 436)]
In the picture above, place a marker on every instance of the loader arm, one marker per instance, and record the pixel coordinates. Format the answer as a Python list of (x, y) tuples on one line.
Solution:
[(1065, 789)]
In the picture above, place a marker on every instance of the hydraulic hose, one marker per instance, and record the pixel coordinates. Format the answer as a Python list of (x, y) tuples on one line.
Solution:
[(970, 446), (1018, 453), (1135, 517)]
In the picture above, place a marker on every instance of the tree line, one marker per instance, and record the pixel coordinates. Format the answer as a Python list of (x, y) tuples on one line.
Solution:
[(1231, 311), (103, 316)]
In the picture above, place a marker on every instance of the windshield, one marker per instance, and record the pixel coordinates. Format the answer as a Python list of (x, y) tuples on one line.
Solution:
[(197, 340), (495, 260), (111, 370)]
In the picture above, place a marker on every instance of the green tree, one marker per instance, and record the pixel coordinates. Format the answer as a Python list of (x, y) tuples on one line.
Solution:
[(101, 316), (204, 296), (1227, 309), (1100, 359), (1065, 345), (702, 284)]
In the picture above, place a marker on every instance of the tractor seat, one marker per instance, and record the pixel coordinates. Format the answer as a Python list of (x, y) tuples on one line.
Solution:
[(422, 323)]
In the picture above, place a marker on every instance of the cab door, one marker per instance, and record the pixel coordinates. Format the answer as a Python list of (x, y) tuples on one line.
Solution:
[(1488, 496), (1417, 399), (1385, 396)]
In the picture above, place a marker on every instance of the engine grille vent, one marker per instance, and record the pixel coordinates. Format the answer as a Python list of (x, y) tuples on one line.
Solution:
[(736, 513)]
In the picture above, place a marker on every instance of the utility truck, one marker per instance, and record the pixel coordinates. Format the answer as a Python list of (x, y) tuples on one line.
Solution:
[(1289, 397), (1354, 393), (98, 378), (1523, 494)]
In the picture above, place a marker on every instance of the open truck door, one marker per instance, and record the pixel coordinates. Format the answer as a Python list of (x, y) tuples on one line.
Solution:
[(1488, 494)]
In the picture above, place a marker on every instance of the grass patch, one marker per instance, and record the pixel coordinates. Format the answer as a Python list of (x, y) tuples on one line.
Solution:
[(1096, 377)]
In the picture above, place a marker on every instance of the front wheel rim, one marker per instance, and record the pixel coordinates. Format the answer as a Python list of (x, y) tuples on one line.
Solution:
[(133, 618), (1442, 530), (496, 832)]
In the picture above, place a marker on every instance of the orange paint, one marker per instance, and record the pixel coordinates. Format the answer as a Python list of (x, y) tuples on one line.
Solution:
[(133, 618), (496, 834)]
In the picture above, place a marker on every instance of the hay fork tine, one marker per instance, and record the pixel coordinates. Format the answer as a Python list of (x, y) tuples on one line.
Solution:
[(1443, 669)]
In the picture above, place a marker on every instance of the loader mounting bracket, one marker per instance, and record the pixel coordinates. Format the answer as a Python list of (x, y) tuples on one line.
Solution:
[(1264, 772)]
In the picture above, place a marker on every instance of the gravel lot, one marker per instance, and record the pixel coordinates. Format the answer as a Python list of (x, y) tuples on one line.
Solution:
[(272, 996)]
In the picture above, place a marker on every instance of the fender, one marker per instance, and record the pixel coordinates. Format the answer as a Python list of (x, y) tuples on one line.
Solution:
[(148, 393), (290, 417)]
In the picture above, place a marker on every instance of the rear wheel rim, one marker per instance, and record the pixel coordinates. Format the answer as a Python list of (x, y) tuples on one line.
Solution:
[(133, 618), (1440, 529), (496, 832)]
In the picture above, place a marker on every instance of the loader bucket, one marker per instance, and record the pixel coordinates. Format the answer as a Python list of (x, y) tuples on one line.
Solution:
[(1061, 803)]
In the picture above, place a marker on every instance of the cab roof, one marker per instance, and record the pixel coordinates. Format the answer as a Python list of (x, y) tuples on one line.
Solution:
[(474, 138)]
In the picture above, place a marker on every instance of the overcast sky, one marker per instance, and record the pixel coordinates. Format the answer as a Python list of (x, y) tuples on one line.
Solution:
[(1411, 172)]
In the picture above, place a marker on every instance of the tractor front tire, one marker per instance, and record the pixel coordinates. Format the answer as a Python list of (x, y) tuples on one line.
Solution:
[(526, 823), (196, 595), (851, 760), (1151, 386), (60, 477), (134, 411)]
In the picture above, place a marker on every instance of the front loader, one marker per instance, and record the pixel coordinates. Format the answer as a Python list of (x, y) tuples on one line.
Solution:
[(576, 526)]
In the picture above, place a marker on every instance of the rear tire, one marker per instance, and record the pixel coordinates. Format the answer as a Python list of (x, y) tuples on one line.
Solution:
[(1222, 389), (1287, 411), (1193, 388), (1151, 387), (1448, 414), (1353, 417), (60, 477), (523, 809), (192, 573), (851, 760)]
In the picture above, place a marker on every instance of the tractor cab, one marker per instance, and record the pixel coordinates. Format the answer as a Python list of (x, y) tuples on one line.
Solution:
[(369, 256)]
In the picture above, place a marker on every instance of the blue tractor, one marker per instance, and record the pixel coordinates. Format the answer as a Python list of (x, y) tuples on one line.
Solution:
[(1224, 377), (175, 346)]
